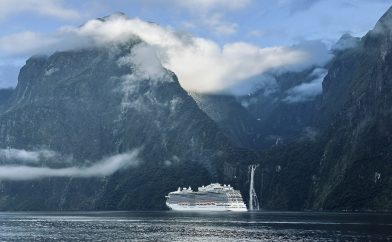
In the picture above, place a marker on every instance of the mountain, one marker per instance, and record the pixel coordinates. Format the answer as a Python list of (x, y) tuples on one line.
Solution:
[(238, 124), (323, 148), (355, 167), (348, 165), (92, 103)]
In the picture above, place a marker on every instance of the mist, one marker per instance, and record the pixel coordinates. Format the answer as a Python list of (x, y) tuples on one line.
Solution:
[(307, 91), (11, 154), (105, 167)]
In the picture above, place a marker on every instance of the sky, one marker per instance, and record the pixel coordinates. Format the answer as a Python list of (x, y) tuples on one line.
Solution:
[(250, 35)]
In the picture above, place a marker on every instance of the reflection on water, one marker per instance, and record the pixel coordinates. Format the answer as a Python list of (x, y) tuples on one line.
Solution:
[(175, 226)]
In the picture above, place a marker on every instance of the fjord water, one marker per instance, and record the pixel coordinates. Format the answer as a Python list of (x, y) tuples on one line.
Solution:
[(175, 226)]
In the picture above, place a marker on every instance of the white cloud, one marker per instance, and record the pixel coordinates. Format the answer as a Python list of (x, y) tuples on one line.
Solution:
[(201, 64), (51, 8), (209, 5), (25, 155), (210, 14), (307, 91), (318, 53), (145, 62), (104, 167), (218, 25), (206, 67), (145, 65)]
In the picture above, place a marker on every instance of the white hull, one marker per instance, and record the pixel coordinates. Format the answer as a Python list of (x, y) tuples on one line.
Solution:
[(213, 197), (211, 208)]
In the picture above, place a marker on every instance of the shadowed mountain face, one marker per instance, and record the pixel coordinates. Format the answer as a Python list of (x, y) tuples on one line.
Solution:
[(234, 120), (356, 162), (267, 118), (349, 166), (93, 103), (332, 152)]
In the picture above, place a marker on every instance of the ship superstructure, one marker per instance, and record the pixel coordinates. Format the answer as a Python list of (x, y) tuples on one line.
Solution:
[(214, 197)]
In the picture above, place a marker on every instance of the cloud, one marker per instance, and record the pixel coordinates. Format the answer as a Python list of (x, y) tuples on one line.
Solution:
[(27, 156), (301, 5), (144, 65), (318, 54), (145, 62), (221, 27), (51, 8), (206, 67), (104, 167), (201, 64), (209, 5), (210, 14), (307, 91)]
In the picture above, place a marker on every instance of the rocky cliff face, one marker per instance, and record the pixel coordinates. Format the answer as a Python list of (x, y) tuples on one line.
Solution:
[(348, 166), (355, 167), (92, 103), (233, 119)]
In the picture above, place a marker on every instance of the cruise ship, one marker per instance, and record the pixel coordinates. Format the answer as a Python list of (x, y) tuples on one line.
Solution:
[(214, 197)]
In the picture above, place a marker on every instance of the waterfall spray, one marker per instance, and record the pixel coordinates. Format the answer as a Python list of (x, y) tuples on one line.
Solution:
[(253, 202)]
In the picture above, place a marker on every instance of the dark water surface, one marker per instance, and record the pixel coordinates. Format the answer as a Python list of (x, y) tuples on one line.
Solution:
[(176, 226)]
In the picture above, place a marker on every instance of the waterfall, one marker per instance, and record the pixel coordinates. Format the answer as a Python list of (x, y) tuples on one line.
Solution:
[(253, 202)]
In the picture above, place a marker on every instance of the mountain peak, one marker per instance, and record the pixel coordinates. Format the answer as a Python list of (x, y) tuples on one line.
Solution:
[(117, 14), (347, 41)]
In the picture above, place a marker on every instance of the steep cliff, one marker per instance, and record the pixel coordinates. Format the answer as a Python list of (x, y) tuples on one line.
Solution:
[(348, 166), (355, 167)]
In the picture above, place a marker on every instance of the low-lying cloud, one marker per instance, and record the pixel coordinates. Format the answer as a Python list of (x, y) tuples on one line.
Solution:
[(26, 155), (201, 64), (104, 167), (307, 91)]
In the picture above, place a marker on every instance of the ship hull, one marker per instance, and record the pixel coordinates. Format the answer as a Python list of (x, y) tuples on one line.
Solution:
[(214, 197), (198, 208)]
